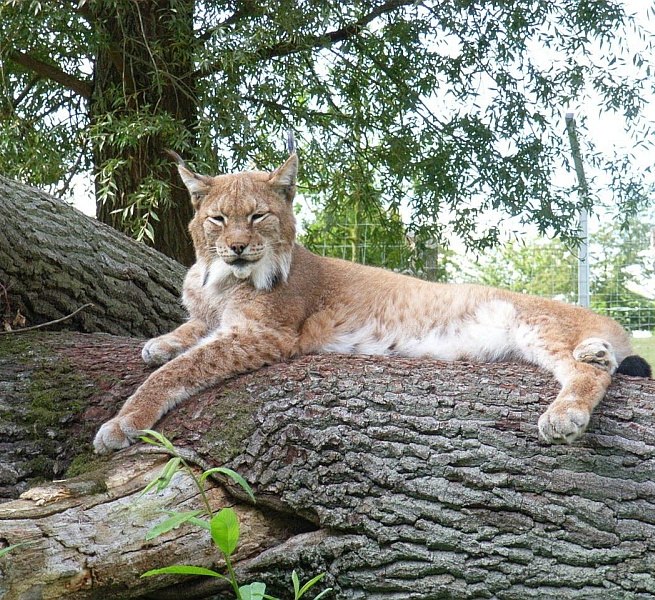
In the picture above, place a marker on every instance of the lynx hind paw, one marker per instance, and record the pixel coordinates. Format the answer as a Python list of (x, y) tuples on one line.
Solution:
[(158, 351), (596, 352), (115, 434), (563, 425)]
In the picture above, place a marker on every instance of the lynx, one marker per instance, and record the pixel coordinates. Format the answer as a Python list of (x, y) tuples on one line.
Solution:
[(255, 297)]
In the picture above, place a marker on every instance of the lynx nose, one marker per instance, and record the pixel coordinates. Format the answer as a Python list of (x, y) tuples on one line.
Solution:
[(238, 248)]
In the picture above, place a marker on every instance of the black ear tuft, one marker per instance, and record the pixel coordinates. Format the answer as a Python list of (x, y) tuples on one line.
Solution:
[(291, 142), (636, 366), (175, 156)]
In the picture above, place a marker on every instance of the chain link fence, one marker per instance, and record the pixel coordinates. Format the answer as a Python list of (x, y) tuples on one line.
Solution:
[(621, 267)]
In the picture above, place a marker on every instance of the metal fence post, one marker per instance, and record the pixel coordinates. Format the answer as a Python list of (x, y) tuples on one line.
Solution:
[(583, 246)]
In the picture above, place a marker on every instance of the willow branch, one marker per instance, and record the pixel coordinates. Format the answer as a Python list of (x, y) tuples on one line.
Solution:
[(79, 86), (324, 40)]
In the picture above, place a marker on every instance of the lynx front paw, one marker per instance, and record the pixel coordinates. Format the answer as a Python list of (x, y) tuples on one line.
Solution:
[(115, 434), (563, 424), (158, 351)]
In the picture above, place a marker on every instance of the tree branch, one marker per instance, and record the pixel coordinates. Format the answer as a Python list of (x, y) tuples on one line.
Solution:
[(247, 9), (79, 86), (41, 325), (28, 88), (399, 470), (316, 41)]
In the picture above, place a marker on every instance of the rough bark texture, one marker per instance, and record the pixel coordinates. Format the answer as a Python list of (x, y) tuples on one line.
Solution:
[(402, 478), (54, 259)]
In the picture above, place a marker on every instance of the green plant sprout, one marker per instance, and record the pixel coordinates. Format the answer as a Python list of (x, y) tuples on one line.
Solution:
[(8, 549), (223, 526)]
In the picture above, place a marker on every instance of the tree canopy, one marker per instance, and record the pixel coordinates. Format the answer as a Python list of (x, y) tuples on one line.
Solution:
[(446, 110)]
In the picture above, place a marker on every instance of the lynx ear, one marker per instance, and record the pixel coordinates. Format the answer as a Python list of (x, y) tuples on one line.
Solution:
[(198, 185), (284, 177)]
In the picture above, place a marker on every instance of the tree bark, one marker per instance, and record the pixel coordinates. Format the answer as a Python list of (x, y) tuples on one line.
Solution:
[(54, 259), (398, 478)]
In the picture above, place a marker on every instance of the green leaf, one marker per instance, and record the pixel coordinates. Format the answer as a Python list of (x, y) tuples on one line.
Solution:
[(253, 591), (232, 475), (323, 593), (200, 523), (10, 548), (296, 584), (184, 570), (164, 479), (171, 523), (149, 232), (148, 487), (225, 530), (168, 471), (159, 439), (311, 583)]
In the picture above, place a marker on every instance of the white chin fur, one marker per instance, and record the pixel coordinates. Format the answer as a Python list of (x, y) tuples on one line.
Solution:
[(263, 274), (269, 269), (242, 271)]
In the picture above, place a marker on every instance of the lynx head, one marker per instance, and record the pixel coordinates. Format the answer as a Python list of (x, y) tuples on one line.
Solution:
[(244, 225)]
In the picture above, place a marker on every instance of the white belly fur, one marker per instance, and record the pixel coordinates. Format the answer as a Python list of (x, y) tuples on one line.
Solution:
[(491, 333)]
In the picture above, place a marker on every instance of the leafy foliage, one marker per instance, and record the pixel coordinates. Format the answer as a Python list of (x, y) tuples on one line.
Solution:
[(367, 234), (444, 107), (544, 268), (223, 526)]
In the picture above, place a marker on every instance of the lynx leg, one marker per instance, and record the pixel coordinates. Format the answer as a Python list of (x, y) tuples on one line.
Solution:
[(229, 352), (585, 380), (160, 350), (597, 352)]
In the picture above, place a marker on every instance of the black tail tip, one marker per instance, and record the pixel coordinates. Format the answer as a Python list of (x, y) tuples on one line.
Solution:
[(636, 366)]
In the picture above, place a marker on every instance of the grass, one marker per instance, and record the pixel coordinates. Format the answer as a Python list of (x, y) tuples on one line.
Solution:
[(645, 347)]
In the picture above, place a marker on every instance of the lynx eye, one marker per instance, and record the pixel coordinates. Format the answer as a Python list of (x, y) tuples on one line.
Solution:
[(257, 217), (217, 220)]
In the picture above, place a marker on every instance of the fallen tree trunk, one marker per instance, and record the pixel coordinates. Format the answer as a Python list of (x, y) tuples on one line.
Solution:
[(398, 478), (54, 259)]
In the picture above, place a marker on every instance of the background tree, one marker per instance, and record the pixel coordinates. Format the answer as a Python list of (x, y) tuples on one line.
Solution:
[(542, 267), (622, 263), (363, 229), (443, 106), (621, 260)]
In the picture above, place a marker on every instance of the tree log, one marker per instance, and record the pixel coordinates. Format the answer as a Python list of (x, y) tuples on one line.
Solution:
[(398, 478), (54, 259)]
